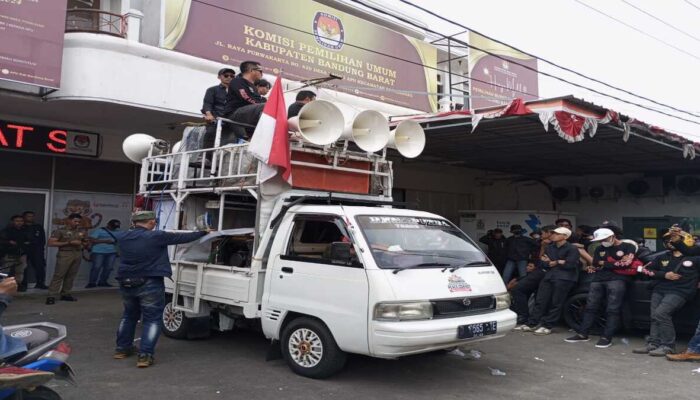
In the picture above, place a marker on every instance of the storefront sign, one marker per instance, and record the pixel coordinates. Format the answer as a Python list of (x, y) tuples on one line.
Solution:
[(308, 40), (42, 139), (31, 41), (498, 80)]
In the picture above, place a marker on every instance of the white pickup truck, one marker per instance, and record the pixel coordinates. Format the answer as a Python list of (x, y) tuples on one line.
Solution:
[(326, 274)]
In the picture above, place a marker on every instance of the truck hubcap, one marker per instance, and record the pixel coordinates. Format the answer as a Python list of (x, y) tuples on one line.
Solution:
[(172, 319), (305, 347)]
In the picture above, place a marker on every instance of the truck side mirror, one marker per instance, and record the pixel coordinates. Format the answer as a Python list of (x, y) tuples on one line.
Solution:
[(342, 253)]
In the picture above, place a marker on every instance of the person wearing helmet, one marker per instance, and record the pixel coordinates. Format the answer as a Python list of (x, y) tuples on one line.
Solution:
[(685, 243), (607, 286), (675, 282)]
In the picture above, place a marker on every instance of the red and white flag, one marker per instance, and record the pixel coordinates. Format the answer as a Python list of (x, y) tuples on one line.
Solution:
[(270, 142)]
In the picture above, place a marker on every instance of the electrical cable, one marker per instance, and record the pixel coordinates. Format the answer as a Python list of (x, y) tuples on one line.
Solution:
[(637, 29), (692, 4), (661, 20), (535, 69), (543, 59)]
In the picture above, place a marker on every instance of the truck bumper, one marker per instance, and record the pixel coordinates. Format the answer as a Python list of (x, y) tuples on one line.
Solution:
[(396, 339)]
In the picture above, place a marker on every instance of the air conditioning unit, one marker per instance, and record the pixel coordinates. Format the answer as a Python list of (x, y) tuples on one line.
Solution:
[(603, 192), (688, 184), (566, 193), (644, 187)]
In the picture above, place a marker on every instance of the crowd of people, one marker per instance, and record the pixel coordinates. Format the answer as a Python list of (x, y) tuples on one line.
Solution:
[(551, 261), (23, 245)]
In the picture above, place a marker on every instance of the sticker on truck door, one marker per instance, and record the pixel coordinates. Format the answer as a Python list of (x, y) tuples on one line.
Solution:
[(457, 284)]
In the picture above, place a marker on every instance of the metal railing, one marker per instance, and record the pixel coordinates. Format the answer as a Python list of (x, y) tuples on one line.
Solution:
[(96, 21)]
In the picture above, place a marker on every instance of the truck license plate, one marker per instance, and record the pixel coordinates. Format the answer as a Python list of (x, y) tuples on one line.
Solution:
[(476, 330)]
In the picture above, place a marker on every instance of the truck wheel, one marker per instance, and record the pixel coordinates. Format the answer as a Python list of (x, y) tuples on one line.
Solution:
[(310, 350), (573, 313), (174, 322)]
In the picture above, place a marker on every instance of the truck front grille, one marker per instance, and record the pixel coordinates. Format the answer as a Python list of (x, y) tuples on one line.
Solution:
[(461, 306)]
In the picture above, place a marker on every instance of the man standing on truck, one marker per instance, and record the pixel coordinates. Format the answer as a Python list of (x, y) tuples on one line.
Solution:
[(676, 280), (561, 260), (143, 267), (217, 104), (247, 104), (607, 286), (303, 98)]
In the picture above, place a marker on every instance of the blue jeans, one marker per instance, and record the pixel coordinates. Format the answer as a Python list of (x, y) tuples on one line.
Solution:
[(510, 269), (145, 302), (694, 344), (612, 291), (101, 267)]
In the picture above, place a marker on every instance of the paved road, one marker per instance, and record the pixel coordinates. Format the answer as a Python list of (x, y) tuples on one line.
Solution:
[(232, 365)]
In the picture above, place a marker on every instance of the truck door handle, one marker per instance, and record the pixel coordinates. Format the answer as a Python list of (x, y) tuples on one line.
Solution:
[(288, 270)]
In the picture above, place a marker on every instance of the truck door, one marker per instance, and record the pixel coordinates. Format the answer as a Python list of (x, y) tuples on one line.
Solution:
[(306, 279)]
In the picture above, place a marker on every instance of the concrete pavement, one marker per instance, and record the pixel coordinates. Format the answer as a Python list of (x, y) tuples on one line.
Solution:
[(232, 365)]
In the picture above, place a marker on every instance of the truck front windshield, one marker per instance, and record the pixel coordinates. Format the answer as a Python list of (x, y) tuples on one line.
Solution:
[(408, 242)]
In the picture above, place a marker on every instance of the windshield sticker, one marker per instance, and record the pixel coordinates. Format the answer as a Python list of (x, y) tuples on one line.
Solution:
[(407, 222), (457, 284)]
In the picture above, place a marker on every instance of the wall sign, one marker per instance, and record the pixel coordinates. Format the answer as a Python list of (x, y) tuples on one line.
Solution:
[(42, 139)]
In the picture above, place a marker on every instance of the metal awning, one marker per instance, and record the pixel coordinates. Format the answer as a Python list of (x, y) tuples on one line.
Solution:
[(519, 144)]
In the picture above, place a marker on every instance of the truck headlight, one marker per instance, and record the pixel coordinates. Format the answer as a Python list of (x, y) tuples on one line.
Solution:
[(403, 311), (502, 301)]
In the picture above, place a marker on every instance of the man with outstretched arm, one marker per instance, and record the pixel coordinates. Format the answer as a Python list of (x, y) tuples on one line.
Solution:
[(143, 267)]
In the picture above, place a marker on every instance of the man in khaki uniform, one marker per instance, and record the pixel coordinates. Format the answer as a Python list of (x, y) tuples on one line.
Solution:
[(70, 245)]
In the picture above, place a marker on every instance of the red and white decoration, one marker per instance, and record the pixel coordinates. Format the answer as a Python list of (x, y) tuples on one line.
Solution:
[(270, 142), (516, 107)]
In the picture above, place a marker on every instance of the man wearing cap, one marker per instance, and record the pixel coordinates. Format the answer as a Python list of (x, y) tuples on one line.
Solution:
[(675, 282), (685, 243), (525, 287), (518, 249), (70, 241), (607, 286), (561, 261), (143, 267), (217, 103)]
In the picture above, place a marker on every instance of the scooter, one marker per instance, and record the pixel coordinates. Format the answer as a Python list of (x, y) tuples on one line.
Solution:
[(46, 351)]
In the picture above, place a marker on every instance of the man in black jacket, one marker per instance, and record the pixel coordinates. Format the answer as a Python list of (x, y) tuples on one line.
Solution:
[(496, 248), (607, 286), (247, 104), (217, 104), (676, 280), (561, 260), (686, 245), (15, 241), (35, 251), (525, 287), (519, 248)]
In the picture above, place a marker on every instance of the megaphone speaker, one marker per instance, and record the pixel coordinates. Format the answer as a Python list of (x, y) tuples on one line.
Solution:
[(319, 122), (369, 130), (408, 139), (136, 146)]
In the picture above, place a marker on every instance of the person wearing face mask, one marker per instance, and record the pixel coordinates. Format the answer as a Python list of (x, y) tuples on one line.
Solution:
[(675, 282), (607, 286)]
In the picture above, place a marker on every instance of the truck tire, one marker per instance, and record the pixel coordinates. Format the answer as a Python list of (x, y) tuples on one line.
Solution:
[(309, 349), (573, 313), (174, 323)]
